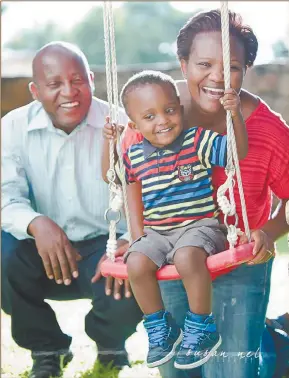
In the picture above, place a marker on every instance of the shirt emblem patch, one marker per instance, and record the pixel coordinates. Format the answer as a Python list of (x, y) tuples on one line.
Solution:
[(186, 172)]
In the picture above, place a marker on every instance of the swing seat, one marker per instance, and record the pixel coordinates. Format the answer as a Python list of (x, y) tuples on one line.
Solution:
[(218, 264)]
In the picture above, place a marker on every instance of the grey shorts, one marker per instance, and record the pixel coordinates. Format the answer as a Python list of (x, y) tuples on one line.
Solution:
[(161, 246)]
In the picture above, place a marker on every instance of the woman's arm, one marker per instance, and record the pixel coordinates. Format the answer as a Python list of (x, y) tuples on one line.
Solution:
[(278, 226), (265, 237), (240, 135)]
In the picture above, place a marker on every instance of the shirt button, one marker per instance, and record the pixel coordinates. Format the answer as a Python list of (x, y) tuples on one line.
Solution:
[(71, 223), (16, 158)]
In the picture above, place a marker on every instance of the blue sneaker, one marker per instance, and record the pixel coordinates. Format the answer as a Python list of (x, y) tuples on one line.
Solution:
[(274, 358), (199, 343), (164, 336)]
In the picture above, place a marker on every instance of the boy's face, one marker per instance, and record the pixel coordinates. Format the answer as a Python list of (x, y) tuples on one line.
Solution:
[(156, 112)]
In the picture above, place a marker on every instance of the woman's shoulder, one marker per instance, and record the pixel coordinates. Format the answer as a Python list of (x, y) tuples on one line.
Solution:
[(249, 103), (256, 110), (129, 138)]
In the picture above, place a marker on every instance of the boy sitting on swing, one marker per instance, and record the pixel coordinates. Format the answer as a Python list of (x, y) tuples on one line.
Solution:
[(179, 220)]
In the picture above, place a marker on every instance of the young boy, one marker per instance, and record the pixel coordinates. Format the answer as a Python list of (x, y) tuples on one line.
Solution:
[(180, 224)]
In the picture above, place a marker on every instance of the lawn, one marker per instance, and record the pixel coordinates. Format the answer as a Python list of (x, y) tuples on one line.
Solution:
[(282, 245), (15, 362)]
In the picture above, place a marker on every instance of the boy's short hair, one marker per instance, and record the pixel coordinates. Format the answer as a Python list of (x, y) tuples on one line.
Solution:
[(143, 78)]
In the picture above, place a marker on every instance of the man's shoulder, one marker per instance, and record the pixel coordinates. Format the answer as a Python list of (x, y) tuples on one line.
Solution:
[(97, 102), (22, 110), (20, 117), (101, 108)]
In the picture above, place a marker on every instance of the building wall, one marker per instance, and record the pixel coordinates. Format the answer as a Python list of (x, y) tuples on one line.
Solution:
[(270, 82)]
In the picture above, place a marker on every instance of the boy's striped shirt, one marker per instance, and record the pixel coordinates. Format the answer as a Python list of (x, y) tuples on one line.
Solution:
[(176, 180)]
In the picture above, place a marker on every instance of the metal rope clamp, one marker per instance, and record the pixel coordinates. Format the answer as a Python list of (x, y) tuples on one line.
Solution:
[(111, 215), (236, 219), (111, 176)]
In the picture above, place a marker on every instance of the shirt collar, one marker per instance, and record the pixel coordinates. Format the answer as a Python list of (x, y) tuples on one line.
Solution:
[(39, 119), (93, 115), (149, 149), (97, 112)]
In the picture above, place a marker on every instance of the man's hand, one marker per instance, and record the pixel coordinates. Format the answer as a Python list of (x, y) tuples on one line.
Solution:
[(114, 285), (58, 256), (263, 248)]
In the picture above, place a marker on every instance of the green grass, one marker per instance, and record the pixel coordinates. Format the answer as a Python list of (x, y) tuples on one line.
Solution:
[(97, 371), (25, 374), (100, 371), (282, 245)]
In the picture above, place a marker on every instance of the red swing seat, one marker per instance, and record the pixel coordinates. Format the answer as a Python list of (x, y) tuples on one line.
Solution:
[(218, 264)]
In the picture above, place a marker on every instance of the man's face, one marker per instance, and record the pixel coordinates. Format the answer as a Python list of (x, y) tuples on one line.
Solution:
[(64, 87)]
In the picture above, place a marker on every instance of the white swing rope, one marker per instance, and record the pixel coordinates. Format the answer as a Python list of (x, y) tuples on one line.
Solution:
[(228, 206), (117, 195)]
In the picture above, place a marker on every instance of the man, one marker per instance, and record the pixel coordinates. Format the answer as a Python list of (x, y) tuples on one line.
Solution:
[(53, 201)]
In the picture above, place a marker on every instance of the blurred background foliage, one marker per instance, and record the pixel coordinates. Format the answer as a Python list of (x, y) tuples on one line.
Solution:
[(145, 33)]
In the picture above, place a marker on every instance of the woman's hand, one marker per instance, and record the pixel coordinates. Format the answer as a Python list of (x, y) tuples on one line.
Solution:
[(263, 248)]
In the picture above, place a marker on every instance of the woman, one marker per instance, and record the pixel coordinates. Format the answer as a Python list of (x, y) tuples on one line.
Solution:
[(241, 296)]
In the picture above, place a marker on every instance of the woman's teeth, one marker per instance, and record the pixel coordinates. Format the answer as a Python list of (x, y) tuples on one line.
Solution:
[(213, 92)]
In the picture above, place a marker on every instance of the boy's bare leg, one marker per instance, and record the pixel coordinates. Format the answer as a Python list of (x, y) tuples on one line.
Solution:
[(144, 284), (201, 338), (163, 333), (190, 263)]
